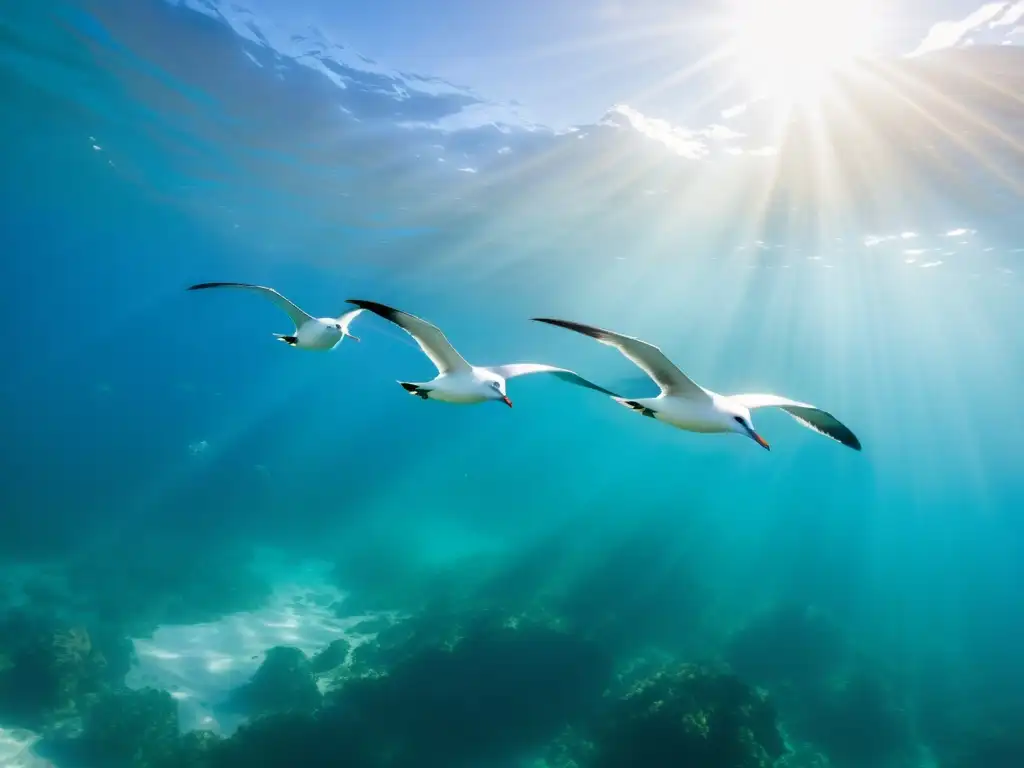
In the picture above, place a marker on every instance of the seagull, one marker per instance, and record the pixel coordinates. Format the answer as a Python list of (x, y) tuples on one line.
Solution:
[(310, 332), (688, 406), (457, 381)]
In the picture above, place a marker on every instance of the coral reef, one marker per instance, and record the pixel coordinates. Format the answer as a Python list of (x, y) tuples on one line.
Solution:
[(479, 669), (828, 695), (459, 685), (131, 729), (49, 670), (437, 691), (125, 729), (66, 682), (689, 714), (429, 630)]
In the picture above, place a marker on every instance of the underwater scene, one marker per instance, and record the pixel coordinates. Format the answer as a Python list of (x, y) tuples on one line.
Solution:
[(436, 384)]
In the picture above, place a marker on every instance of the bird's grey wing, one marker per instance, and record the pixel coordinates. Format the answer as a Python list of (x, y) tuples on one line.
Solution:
[(810, 416), (647, 357), (522, 369), (345, 318), (297, 315), (433, 343)]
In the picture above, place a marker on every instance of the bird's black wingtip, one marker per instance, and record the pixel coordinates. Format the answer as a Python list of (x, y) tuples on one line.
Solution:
[(201, 286), (847, 438), (840, 433), (376, 307), (587, 330), (554, 321), (574, 378)]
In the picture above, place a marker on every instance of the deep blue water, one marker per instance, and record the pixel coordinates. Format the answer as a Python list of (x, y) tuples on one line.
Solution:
[(143, 152)]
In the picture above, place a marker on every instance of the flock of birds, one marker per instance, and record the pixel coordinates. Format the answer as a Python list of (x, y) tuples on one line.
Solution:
[(681, 403)]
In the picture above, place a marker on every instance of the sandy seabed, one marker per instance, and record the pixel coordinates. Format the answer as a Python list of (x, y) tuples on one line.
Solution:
[(200, 664)]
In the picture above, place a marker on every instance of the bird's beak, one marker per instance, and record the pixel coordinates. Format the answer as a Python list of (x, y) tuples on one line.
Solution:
[(354, 338), (760, 440), (504, 399)]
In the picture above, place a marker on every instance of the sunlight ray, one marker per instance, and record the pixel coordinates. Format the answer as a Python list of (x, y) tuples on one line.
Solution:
[(922, 108)]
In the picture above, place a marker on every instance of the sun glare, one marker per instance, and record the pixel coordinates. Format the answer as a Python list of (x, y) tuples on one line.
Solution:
[(791, 49)]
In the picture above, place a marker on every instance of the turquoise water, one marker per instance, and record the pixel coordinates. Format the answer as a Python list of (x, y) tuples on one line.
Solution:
[(178, 483)]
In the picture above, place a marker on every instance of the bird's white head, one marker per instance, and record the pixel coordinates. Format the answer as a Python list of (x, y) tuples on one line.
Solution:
[(495, 388), (737, 419), (335, 327)]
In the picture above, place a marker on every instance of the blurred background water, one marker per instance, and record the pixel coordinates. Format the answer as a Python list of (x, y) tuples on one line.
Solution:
[(180, 494)]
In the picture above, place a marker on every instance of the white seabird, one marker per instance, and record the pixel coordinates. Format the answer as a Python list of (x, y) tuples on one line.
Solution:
[(310, 332), (688, 406), (457, 381)]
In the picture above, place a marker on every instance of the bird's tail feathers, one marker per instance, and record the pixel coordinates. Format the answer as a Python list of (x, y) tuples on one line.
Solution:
[(414, 389), (289, 340), (634, 405)]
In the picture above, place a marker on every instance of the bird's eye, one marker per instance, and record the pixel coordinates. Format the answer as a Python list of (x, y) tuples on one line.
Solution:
[(496, 385), (739, 420)]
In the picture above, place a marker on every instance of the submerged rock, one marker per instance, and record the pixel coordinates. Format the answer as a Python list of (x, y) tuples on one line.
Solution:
[(452, 691), (131, 729), (283, 683), (331, 657), (48, 671), (692, 715)]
